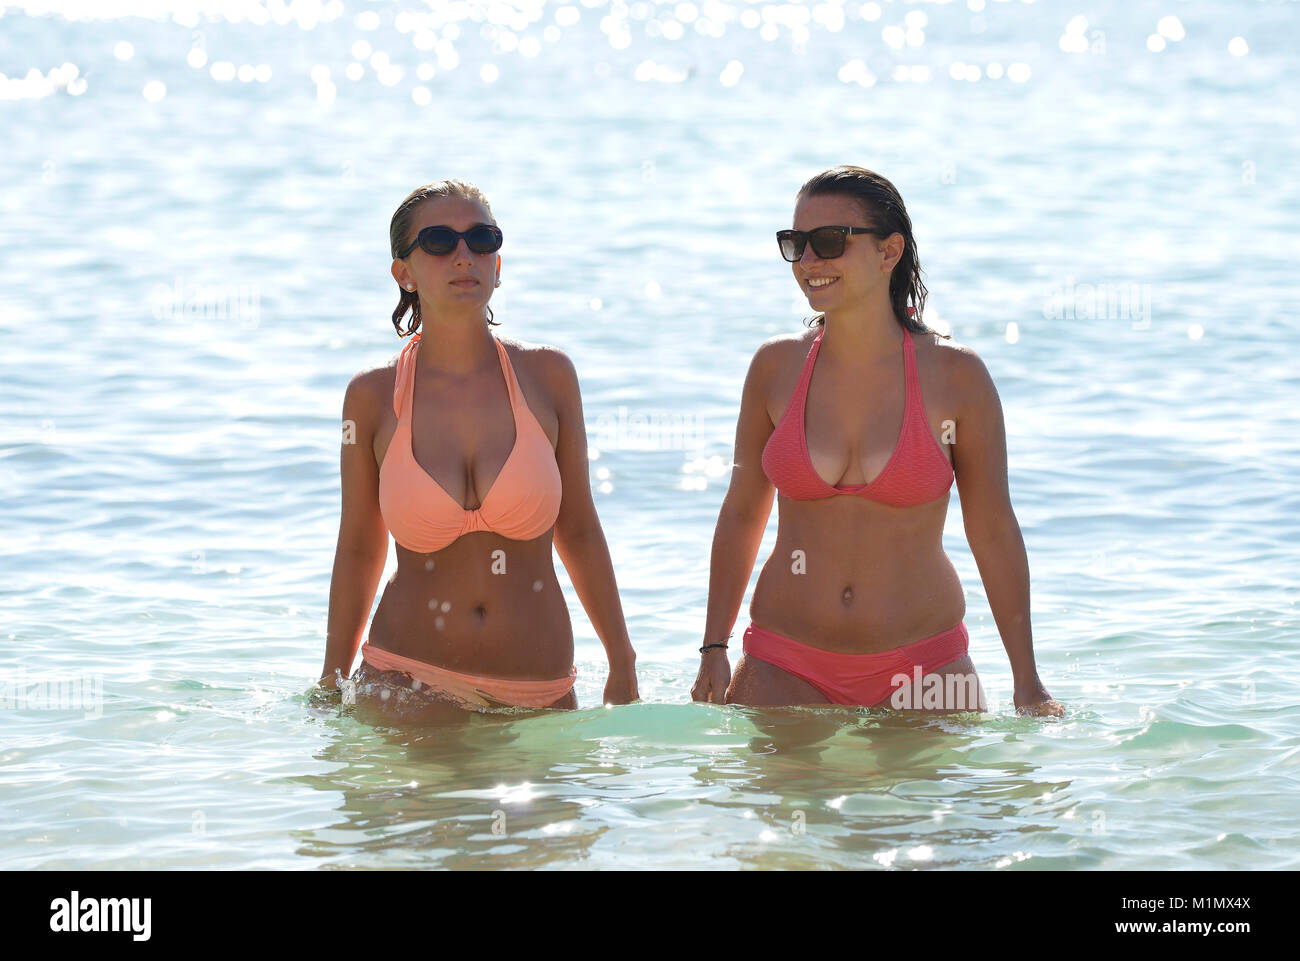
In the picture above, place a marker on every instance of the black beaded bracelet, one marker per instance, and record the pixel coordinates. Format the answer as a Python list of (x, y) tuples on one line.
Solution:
[(721, 644)]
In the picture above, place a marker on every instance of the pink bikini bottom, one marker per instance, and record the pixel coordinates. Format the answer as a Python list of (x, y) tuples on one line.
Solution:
[(862, 679)]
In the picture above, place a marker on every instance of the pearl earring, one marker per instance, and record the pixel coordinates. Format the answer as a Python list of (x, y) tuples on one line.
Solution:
[(410, 287)]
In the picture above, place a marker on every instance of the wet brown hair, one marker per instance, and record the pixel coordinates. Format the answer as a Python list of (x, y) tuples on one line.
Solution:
[(883, 207), (399, 238)]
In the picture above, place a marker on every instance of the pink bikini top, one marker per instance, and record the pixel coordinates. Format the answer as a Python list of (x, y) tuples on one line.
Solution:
[(917, 473), (521, 504)]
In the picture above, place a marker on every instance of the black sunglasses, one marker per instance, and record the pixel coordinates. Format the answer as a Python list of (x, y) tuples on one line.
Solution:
[(440, 241), (827, 242)]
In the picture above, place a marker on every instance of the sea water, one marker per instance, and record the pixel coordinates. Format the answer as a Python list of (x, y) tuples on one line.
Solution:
[(194, 262)]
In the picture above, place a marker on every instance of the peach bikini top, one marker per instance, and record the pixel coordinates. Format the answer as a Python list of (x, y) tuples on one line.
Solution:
[(522, 503)]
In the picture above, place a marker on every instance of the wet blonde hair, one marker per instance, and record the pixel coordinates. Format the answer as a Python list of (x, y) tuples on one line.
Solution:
[(399, 238)]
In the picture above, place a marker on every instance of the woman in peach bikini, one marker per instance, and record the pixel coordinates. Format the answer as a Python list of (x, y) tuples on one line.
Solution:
[(471, 450), (858, 603)]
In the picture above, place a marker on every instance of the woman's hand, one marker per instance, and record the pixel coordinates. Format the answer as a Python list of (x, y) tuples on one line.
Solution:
[(714, 677), (1031, 698), (620, 688), (320, 695)]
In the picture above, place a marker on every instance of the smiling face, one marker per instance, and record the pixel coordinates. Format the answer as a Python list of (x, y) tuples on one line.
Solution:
[(461, 281), (861, 274)]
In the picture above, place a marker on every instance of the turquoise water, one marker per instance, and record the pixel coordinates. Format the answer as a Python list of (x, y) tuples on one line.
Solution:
[(192, 268)]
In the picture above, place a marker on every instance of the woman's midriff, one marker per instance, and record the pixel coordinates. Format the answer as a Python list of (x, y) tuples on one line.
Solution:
[(484, 605), (857, 577)]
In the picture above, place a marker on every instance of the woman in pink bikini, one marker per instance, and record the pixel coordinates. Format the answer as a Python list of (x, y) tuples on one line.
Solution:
[(858, 603), (471, 450)]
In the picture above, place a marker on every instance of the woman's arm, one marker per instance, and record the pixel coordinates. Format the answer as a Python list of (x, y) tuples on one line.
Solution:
[(980, 462), (739, 531), (363, 539), (578, 537)]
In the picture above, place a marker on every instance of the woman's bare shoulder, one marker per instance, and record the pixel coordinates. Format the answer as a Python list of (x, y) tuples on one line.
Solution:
[(369, 390), (531, 353), (544, 369), (959, 366), (375, 379), (790, 340), (542, 361), (783, 349), (945, 351)]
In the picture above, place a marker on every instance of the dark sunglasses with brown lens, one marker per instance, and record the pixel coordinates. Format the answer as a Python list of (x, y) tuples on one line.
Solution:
[(827, 242)]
